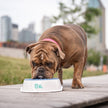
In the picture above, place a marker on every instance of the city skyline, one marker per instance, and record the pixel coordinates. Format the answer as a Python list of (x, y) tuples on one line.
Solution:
[(23, 12), (9, 31)]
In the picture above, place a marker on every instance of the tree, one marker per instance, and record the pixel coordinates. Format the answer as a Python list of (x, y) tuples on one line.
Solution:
[(105, 59), (76, 12), (93, 57)]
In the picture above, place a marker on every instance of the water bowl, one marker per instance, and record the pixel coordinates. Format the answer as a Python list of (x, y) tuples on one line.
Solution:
[(41, 85)]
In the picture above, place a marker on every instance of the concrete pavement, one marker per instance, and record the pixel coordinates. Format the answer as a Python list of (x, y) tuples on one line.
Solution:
[(95, 91)]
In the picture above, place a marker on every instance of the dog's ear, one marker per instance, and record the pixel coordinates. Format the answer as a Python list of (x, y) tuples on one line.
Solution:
[(29, 48), (59, 52)]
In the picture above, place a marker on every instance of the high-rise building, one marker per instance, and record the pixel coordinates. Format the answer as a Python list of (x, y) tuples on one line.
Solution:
[(31, 27), (28, 35), (5, 29), (46, 23), (14, 32), (97, 41)]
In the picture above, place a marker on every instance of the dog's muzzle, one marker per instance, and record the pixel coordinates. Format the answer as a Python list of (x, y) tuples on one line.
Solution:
[(40, 73)]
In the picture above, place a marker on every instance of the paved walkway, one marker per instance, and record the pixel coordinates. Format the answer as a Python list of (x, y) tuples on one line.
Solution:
[(12, 52), (95, 91)]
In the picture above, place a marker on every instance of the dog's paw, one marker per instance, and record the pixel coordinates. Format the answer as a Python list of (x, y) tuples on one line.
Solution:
[(77, 84), (77, 87)]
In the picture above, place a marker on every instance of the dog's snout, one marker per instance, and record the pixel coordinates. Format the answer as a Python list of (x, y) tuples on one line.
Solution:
[(40, 73), (41, 70)]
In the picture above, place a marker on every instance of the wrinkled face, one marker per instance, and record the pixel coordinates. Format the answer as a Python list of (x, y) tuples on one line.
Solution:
[(43, 64), (43, 60)]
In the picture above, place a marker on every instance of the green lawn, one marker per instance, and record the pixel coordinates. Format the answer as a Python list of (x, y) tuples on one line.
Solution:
[(13, 71)]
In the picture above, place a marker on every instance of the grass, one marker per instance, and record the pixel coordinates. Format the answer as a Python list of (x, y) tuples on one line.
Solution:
[(68, 73), (13, 71)]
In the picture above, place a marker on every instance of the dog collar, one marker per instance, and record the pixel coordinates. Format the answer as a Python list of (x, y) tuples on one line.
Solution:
[(51, 40)]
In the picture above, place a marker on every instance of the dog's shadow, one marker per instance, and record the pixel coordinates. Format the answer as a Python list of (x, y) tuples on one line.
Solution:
[(68, 87)]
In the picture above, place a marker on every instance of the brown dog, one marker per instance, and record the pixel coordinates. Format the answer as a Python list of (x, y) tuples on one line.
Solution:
[(59, 47)]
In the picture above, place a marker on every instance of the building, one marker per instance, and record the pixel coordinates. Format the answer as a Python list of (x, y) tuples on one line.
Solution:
[(14, 32), (5, 29), (46, 23), (27, 35), (98, 42), (31, 27)]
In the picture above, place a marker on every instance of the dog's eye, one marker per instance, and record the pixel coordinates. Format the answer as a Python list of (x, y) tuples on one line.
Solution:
[(34, 64), (48, 64)]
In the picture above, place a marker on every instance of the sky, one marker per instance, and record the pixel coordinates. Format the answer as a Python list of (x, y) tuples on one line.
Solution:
[(24, 12)]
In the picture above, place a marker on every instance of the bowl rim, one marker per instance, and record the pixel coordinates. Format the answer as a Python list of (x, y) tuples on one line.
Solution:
[(29, 79)]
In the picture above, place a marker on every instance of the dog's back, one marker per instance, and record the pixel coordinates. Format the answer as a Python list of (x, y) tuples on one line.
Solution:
[(79, 30)]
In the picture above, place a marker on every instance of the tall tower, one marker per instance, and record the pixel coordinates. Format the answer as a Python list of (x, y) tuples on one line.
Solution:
[(97, 41), (14, 32), (46, 23), (31, 27), (5, 29), (27, 35)]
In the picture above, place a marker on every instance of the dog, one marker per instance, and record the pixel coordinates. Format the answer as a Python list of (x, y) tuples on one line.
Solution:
[(59, 47)]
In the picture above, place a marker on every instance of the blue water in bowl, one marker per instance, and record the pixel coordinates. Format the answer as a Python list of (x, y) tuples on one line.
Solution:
[(40, 79)]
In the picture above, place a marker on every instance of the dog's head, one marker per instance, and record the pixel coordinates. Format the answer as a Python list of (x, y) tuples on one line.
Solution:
[(44, 59)]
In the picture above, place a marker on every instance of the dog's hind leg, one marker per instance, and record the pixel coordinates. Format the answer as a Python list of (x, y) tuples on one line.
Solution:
[(78, 70)]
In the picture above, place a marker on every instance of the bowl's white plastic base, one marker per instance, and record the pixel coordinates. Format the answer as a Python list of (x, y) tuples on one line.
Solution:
[(41, 85)]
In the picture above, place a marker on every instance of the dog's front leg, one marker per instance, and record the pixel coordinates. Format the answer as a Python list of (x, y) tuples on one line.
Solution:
[(60, 72)]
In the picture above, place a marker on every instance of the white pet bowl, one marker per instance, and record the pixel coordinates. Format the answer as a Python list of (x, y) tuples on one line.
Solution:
[(41, 85)]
